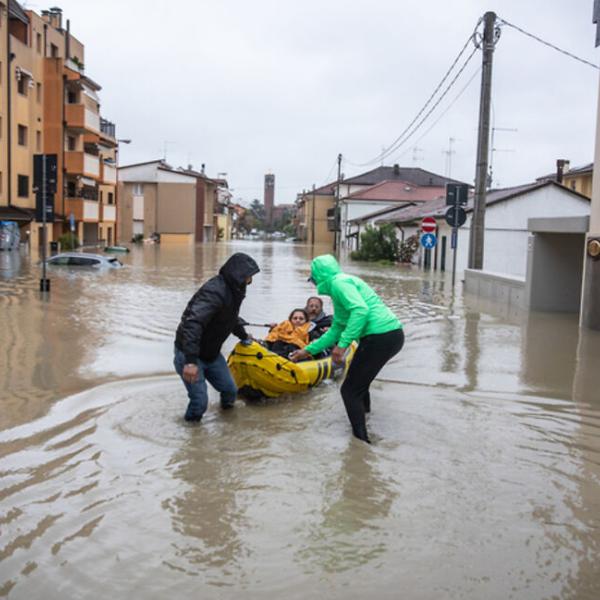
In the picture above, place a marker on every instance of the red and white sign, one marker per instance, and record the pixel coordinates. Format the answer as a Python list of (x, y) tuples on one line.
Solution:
[(428, 225)]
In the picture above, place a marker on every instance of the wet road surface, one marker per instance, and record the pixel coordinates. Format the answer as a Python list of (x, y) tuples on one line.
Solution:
[(483, 481)]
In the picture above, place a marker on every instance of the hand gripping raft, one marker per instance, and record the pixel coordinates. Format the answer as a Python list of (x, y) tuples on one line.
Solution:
[(260, 373)]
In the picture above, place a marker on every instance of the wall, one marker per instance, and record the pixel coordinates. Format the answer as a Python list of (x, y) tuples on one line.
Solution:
[(506, 235), (555, 271), (176, 211)]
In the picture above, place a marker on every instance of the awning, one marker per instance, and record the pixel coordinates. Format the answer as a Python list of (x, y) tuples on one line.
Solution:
[(23, 71), (14, 213), (87, 181)]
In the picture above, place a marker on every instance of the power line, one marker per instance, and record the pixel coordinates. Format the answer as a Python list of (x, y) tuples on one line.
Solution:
[(452, 103), (391, 148), (545, 43), (437, 103)]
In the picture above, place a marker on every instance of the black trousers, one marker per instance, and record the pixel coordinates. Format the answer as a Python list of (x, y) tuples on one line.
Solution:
[(371, 355)]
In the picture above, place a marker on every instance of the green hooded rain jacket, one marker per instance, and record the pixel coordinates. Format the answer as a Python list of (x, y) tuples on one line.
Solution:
[(358, 310)]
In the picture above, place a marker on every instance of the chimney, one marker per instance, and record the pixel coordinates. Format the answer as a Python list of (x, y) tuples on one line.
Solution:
[(396, 169), (190, 167), (56, 17), (562, 167), (202, 169)]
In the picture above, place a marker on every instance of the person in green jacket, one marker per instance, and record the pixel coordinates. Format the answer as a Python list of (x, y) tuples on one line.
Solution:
[(360, 315)]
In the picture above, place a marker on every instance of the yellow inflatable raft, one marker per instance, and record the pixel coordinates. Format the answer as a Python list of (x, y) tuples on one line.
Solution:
[(258, 372)]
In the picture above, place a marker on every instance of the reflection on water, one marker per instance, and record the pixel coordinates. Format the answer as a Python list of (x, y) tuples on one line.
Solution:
[(483, 482)]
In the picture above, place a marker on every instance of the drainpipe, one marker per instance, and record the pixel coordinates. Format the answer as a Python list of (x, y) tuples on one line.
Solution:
[(68, 40), (9, 57)]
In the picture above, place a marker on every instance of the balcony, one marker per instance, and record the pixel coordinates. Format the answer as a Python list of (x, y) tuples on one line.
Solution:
[(82, 209), (109, 174), (81, 163), (108, 212), (79, 117), (108, 129)]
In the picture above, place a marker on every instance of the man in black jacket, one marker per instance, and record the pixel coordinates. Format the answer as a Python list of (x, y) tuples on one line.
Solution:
[(210, 316)]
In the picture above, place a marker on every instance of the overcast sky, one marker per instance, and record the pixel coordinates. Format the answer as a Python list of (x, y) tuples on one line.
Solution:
[(250, 87)]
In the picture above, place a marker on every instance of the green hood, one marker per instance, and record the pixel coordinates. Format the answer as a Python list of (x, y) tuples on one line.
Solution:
[(323, 269)]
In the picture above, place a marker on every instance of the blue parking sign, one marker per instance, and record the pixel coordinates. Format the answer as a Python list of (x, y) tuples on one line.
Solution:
[(428, 241)]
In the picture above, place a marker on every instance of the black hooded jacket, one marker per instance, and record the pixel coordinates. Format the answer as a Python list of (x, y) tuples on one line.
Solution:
[(212, 313)]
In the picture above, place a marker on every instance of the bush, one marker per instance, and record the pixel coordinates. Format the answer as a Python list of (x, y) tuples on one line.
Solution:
[(68, 241), (408, 248), (378, 244)]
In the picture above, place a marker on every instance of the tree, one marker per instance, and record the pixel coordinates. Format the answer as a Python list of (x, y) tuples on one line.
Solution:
[(378, 243)]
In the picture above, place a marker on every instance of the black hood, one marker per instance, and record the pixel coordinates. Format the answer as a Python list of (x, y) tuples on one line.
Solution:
[(237, 269)]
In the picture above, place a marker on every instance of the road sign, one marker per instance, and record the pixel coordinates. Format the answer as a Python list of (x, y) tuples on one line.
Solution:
[(49, 169), (457, 193), (428, 241), (428, 225), (44, 203), (456, 216)]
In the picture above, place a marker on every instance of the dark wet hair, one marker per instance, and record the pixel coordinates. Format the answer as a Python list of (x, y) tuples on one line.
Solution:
[(315, 298), (299, 310)]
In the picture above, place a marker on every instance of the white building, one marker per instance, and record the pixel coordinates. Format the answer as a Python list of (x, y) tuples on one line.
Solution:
[(506, 223)]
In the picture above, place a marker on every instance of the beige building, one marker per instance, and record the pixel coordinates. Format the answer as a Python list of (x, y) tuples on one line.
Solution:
[(313, 216), (154, 198), (48, 105), (579, 179)]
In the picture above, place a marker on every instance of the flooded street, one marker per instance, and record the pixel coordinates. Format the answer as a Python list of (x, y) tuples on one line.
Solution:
[(483, 480)]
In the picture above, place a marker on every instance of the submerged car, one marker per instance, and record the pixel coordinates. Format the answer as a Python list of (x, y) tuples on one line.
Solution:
[(84, 259)]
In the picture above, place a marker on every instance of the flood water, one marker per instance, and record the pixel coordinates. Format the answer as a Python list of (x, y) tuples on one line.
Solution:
[(483, 480)]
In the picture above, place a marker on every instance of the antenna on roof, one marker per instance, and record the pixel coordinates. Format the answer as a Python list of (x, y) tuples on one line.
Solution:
[(449, 154), (415, 156)]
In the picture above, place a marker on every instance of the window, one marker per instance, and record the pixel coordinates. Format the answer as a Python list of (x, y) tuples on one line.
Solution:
[(138, 189), (71, 189), (23, 84), (111, 198), (71, 97), (38, 43), (38, 141), (83, 261), (71, 143), (38, 92), (23, 186), (22, 135), (53, 50)]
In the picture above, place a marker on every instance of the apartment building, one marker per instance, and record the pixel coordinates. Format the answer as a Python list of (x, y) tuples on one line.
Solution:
[(155, 198), (48, 104)]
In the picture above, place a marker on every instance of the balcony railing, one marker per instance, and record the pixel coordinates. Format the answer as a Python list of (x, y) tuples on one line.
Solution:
[(82, 209), (109, 174), (109, 212), (107, 128), (80, 117), (80, 163)]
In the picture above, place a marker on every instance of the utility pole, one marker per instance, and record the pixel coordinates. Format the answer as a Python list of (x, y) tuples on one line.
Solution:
[(483, 142), (336, 213)]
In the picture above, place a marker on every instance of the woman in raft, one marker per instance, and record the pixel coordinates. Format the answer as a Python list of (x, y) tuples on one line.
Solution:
[(290, 335)]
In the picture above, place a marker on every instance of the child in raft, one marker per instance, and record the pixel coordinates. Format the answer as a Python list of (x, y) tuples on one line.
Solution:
[(290, 335)]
